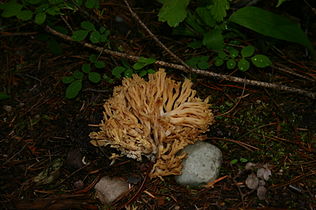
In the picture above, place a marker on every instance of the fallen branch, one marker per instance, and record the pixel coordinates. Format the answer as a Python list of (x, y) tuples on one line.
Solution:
[(193, 70)]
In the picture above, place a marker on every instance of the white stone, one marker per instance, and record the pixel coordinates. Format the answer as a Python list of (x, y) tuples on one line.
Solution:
[(202, 164), (109, 189)]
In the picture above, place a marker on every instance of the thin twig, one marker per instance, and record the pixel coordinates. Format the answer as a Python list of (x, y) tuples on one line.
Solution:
[(154, 37), (196, 71)]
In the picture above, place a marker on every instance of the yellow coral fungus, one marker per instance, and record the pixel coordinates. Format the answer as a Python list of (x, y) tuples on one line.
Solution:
[(156, 118)]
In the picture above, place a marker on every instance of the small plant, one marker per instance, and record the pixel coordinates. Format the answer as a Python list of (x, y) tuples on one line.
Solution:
[(95, 36), (242, 160), (75, 80), (138, 68), (242, 58)]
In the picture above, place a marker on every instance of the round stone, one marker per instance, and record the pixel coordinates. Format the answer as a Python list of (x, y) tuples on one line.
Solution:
[(202, 164)]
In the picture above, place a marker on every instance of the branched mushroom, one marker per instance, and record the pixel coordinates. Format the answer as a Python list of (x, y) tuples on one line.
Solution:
[(156, 118)]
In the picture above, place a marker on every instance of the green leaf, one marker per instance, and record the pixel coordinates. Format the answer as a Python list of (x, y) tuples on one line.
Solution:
[(233, 161), (40, 18), (95, 37), (142, 62), (25, 15), (230, 64), (86, 68), (205, 14), (128, 73), (214, 40), (73, 89), (79, 35), (90, 4), (117, 71), (107, 78), (233, 52), (53, 10), (195, 44), (243, 65), (87, 25), (270, 24), (94, 77), (173, 11), (248, 51), (4, 96), (243, 160), (99, 64), (261, 61), (11, 9), (93, 58), (78, 75), (218, 61), (218, 9), (68, 79), (200, 62)]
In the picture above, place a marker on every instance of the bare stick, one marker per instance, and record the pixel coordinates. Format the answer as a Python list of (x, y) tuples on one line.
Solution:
[(188, 68), (193, 70)]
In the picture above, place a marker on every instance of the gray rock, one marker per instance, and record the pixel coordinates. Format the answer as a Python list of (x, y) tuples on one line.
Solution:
[(109, 189), (201, 165)]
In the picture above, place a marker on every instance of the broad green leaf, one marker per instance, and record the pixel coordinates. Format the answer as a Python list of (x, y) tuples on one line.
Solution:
[(248, 51), (78, 75), (233, 52), (200, 62), (25, 15), (117, 71), (243, 65), (11, 9), (87, 25), (218, 9), (128, 73), (195, 44), (205, 14), (90, 4), (53, 10), (230, 63), (196, 27), (214, 40), (261, 61), (4, 96), (173, 11), (95, 37), (142, 62), (93, 58), (233, 161), (142, 73), (79, 35), (222, 55), (243, 160), (99, 64), (40, 18), (151, 71), (107, 78), (270, 24), (218, 61), (86, 68), (68, 79), (94, 77), (73, 89)]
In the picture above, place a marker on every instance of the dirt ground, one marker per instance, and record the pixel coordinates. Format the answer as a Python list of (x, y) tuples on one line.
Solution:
[(40, 128)]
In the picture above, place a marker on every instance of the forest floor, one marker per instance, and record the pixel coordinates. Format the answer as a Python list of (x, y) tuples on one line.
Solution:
[(40, 127)]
